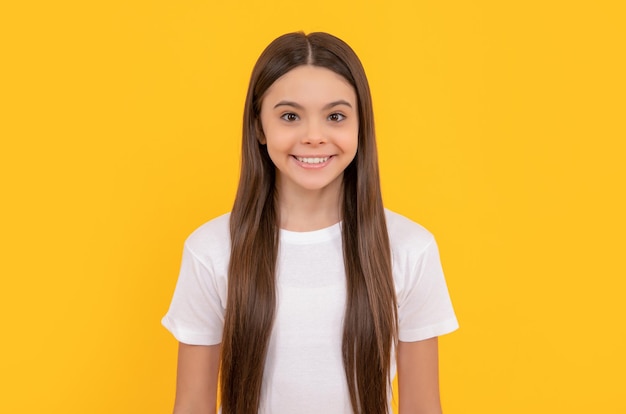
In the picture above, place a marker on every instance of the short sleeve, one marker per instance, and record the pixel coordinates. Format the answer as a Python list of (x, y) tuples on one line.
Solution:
[(196, 313), (424, 306)]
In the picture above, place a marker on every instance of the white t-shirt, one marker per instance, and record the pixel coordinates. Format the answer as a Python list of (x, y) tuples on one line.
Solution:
[(304, 370)]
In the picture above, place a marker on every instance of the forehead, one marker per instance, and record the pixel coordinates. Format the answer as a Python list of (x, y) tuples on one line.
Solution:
[(309, 84)]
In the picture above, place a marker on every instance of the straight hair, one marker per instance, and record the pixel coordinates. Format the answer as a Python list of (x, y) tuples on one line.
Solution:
[(370, 321)]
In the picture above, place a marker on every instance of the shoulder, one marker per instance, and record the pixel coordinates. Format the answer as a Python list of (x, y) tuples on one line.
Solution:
[(406, 235), (211, 240)]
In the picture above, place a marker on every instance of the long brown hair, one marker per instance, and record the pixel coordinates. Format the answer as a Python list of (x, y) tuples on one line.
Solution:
[(370, 322)]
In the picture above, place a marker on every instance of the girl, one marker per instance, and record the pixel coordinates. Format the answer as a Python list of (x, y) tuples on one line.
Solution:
[(309, 294)]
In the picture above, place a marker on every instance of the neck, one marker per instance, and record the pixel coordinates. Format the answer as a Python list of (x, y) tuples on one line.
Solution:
[(308, 210)]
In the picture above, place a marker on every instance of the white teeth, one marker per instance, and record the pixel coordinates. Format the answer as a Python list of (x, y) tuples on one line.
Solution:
[(315, 160)]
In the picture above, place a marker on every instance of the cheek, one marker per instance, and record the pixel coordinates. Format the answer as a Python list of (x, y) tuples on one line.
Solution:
[(276, 140), (350, 141), (269, 128), (277, 143), (279, 137)]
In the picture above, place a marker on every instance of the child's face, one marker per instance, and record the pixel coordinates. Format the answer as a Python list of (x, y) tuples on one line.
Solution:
[(311, 127)]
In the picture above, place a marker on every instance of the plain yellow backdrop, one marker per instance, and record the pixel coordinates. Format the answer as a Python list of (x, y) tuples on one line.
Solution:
[(500, 127)]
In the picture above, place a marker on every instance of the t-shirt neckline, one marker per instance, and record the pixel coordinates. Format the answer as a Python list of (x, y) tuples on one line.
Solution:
[(314, 236)]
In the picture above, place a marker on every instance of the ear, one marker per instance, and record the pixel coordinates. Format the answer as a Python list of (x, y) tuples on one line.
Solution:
[(260, 136)]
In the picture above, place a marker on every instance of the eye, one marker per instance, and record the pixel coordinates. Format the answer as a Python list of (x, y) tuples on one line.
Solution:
[(336, 117), (289, 117)]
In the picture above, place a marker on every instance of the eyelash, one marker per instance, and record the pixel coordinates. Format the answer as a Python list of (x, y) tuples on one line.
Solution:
[(289, 117), (337, 114)]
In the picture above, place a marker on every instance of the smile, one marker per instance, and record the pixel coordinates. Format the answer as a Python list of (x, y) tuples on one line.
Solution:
[(312, 160)]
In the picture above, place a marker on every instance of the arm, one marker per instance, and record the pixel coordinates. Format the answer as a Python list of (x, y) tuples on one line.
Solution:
[(418, 377), (196, 379)]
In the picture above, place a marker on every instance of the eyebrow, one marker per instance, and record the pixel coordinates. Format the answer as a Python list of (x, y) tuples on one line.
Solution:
[(327, 106)]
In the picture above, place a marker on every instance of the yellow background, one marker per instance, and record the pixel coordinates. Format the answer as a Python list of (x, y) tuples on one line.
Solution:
[(501, 129)]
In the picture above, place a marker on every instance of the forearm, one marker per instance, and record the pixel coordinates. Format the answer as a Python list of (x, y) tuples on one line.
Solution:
[(205, 405), (418, 410), (418, 377), (196, 379)]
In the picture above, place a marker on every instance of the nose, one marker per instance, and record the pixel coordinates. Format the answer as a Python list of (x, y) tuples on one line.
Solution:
[(314, 133)]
